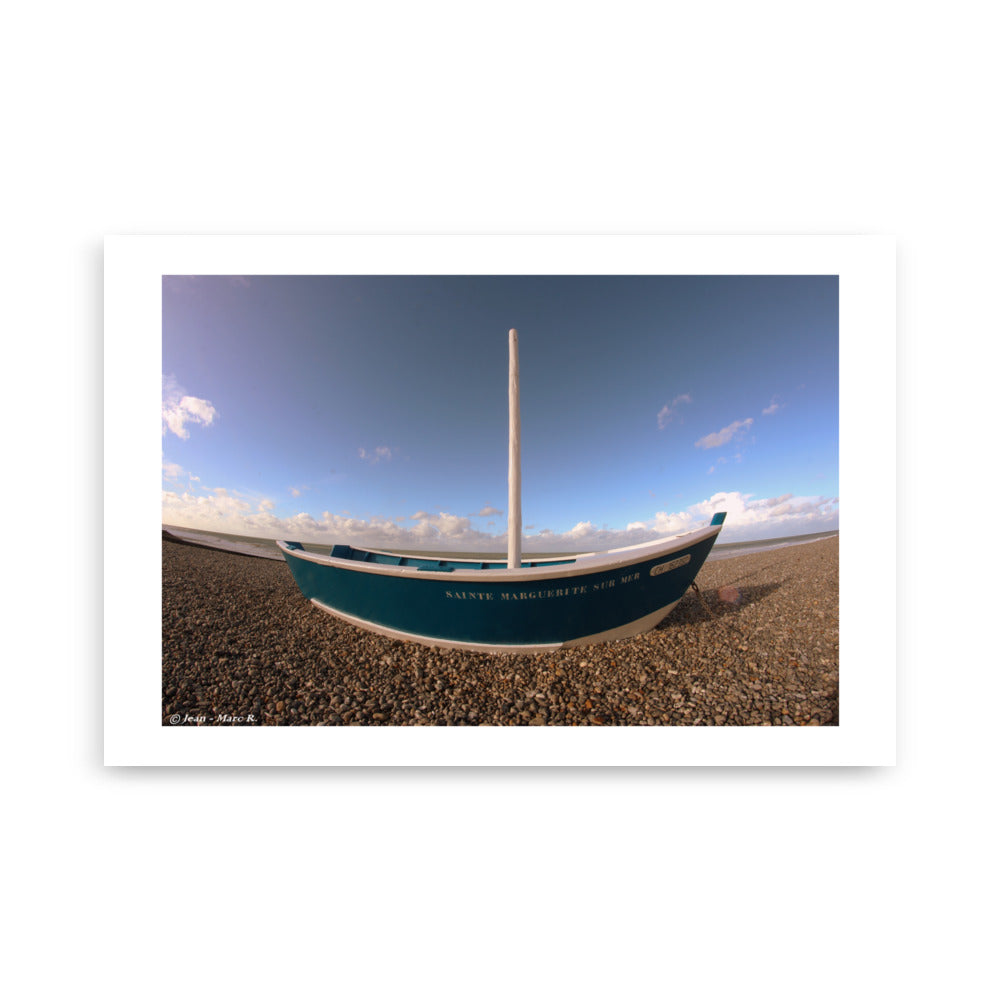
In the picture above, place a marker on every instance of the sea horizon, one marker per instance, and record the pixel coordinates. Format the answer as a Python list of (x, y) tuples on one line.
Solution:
[(266, 547)]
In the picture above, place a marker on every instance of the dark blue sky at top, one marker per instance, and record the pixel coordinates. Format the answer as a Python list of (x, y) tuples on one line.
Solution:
[(305, 371)]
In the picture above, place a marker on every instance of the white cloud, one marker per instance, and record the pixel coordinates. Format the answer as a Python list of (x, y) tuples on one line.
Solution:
[(747, 519), (172, 471), (670, 410), (217, 510), (719, 438), (772, 408), (178, 410), (585, 536), (221, 510), (381, 453), (488, 511), (771, 517)]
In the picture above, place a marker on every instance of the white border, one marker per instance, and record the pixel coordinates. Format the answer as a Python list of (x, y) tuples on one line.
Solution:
[(133, 269)]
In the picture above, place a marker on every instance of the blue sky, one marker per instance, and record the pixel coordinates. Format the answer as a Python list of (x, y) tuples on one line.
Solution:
[(373, 410)]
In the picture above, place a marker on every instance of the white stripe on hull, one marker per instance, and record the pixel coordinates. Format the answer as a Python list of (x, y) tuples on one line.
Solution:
[(640, 625)]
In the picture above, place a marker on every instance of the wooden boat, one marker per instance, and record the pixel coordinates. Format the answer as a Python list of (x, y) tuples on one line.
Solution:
[(505, 606)]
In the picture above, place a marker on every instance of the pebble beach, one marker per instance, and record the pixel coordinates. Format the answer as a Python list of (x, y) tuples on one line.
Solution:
[(757, 646)]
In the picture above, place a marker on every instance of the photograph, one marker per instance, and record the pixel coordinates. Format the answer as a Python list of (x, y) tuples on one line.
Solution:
[(489, 457), (546, 500)]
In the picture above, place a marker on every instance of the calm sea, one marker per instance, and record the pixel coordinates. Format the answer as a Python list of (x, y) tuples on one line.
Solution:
[(725, 551), (265, 547)]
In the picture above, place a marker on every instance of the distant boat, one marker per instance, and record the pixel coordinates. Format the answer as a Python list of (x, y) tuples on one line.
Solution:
[(505, 606)]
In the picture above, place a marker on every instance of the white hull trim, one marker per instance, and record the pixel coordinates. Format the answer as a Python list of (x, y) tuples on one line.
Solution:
[(626, 631)]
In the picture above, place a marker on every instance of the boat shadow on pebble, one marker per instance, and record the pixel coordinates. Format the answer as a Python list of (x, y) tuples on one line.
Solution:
[(694, 609)]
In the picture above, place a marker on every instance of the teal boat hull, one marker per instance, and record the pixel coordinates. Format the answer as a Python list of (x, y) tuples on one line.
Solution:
[(541, 605)]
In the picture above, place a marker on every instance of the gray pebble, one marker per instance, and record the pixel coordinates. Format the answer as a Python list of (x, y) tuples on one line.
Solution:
[(239, 640)]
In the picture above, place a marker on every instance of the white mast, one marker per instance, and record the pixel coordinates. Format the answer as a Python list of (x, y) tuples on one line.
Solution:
[(514, 466)]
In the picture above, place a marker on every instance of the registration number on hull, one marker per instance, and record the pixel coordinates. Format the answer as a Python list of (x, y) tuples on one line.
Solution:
[(668, 566)]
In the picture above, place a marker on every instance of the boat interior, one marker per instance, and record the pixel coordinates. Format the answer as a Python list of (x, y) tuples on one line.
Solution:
[(426, 563), (423, 562)]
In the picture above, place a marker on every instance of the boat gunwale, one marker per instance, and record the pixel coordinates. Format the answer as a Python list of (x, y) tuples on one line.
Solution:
[(584, 564)]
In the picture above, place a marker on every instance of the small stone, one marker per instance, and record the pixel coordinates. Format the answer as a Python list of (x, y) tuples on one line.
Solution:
[(278, 659)]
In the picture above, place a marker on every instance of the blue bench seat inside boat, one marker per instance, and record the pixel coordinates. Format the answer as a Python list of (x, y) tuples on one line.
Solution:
[(424, 563)]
